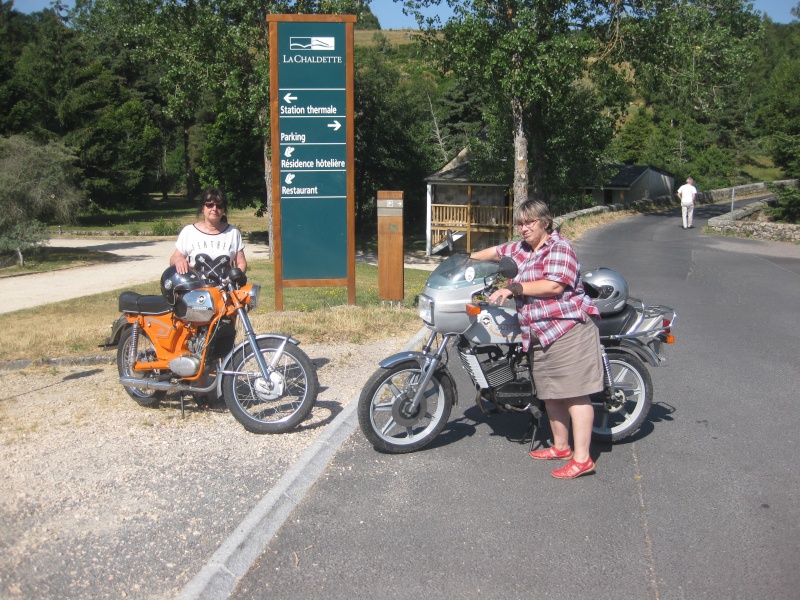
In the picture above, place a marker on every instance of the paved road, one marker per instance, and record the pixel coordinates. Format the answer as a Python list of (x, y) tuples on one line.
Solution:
[(703, 503)]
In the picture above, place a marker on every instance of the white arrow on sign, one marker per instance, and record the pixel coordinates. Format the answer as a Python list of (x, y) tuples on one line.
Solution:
[(288, 97), (335, 125), (289, 178), (289, 151)]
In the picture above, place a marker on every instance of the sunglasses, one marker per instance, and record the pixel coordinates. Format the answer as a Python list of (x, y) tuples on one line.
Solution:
[(214, 204)]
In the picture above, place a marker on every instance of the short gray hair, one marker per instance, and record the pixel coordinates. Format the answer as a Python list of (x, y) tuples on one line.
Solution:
[(534, 209)]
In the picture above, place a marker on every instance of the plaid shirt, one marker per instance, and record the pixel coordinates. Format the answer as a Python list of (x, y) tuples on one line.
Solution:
[(549, 318)]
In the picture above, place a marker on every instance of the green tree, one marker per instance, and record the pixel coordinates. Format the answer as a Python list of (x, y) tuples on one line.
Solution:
[(779, 111), (16, 30), (631, 143), (787, 205), (392, 132), (543, 58), (367, 20), (38, 183), (43, 75)]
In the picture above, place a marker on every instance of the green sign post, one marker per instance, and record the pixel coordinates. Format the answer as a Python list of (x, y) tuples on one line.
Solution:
[(313, 199)]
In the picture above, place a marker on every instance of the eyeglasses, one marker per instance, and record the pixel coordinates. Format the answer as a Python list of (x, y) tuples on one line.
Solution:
[(528, 224), (214, 205)]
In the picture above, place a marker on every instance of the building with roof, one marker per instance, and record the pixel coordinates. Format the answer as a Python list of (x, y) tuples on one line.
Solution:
[(633, 182)]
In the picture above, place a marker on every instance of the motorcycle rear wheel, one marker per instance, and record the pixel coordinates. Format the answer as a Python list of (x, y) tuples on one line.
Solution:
[(277, 406), (382, 408), (144, 351), (633, 390)]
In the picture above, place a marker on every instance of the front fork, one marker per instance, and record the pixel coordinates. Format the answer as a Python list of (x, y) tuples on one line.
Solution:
[(432, 361), (265, 368)]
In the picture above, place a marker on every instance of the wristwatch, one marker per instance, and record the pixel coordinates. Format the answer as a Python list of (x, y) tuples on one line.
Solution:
[(515, 288)]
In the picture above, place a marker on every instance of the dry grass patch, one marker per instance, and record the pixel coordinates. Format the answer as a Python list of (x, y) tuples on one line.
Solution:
[(69, 328), (313, 315), (573, 229)]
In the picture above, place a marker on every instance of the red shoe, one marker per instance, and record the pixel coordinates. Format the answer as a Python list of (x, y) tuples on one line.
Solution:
[(574, 469), (551, 453)]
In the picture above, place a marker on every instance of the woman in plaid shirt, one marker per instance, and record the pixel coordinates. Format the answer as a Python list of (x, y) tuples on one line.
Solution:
[(557, 331)]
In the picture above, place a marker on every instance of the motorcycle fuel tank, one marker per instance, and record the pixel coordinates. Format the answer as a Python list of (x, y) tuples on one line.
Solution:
[(496, 324), (196, 306)]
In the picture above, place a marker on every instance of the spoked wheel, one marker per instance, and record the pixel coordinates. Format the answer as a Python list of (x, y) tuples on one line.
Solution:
[(386, 414), (145, 352), (275, 404), (631, 399)]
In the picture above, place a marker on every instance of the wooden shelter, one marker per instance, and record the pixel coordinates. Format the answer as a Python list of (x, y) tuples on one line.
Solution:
[(478, 214)]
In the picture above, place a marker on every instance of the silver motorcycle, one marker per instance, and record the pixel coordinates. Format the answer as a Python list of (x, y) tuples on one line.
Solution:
[(407, 401)]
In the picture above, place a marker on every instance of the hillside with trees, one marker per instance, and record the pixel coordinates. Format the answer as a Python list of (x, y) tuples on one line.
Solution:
[(136, 100)]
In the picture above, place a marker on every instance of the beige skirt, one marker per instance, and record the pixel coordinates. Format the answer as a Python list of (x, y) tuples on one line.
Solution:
[(570, 367)]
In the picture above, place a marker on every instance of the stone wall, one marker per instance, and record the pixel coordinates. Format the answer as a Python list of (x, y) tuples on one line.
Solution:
[(738, 224)]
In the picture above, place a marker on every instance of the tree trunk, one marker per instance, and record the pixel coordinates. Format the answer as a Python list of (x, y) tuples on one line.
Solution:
[(20, 260), (536, 157), (520, 153), (187, 165)]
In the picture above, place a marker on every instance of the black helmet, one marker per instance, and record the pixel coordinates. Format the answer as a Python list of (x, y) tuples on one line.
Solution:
[(173, 282), (607, 289)]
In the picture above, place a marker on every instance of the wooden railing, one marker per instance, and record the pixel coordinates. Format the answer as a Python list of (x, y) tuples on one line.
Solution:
[(469, 219)]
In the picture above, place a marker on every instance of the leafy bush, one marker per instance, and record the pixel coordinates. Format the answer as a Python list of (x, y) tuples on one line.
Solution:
[(166, 228), (787, 206)]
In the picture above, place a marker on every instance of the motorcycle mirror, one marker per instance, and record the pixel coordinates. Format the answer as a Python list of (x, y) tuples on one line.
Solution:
[(450, 244), (237, 276), (507, 268)]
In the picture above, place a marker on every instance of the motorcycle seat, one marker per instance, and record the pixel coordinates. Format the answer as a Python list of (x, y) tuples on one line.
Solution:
[(131, 302), (618, 323)]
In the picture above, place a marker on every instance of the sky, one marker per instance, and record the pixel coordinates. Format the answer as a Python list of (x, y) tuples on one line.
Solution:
[(390, 14)]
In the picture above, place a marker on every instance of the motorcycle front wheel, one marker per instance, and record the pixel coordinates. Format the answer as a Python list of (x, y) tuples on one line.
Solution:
[(145, 351), (385, 414), (632, 397), (278, 403)]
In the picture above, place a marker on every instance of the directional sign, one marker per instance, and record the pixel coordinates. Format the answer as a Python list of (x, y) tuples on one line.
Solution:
[(312, 146)]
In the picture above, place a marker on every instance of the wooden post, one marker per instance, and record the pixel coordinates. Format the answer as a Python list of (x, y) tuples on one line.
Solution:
[(391, 268)]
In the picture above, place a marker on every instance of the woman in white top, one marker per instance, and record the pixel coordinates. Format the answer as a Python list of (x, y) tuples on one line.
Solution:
[(211, 246)]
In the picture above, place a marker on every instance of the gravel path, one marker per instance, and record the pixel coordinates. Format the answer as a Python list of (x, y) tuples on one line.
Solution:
[(101, 498)]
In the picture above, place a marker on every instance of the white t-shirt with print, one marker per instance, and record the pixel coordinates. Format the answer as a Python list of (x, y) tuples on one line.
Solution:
[(194, 244)]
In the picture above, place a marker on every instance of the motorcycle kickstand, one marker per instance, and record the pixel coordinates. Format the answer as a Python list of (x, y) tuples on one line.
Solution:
[(533, 426)]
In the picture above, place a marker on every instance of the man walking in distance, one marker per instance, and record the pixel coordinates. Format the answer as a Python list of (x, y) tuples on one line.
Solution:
[(687, 193)]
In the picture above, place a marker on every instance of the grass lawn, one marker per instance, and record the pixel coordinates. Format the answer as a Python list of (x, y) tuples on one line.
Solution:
[(313, 315)]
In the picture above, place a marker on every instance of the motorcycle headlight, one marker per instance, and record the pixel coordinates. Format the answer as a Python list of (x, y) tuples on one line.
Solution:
[(254, 292), (426, 309)]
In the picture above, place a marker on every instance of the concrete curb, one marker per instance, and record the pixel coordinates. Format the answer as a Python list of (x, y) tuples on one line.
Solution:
[(235, 555)]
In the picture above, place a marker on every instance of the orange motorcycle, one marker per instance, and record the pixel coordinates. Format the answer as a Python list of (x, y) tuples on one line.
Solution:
[(184, 341)]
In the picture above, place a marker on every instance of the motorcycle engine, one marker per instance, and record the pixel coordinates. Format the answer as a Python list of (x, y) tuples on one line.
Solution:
[(507, 374), (188, 365)]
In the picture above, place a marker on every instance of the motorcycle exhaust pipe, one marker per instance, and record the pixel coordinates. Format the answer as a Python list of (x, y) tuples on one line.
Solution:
[(149, 384)]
